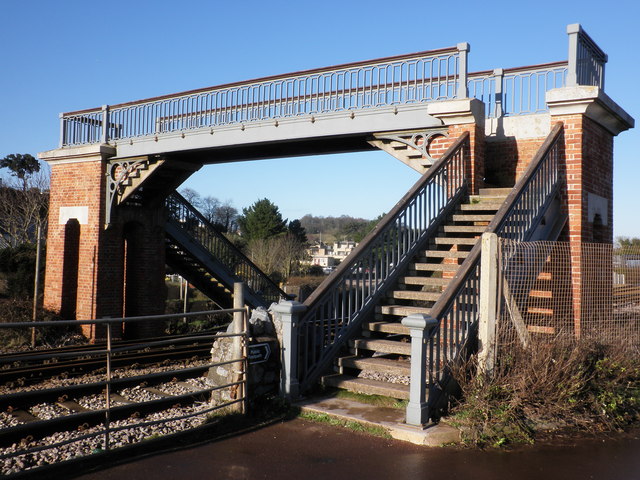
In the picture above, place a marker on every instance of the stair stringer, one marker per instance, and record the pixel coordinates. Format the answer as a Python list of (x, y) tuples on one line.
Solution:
[(213, 267)]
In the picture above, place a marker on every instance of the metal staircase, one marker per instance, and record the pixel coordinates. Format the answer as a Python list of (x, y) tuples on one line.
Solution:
[(423, 258), (198, 252), (378, 362)]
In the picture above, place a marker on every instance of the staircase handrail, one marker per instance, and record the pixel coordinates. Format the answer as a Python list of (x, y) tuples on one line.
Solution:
[(463, 289), (223, 250), (338, 305)]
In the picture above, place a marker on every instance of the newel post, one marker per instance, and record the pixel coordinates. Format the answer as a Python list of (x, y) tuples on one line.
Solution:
[(420, 327), (463, 88), (105, 124), (287, 313), (573, 31), (488, 305)]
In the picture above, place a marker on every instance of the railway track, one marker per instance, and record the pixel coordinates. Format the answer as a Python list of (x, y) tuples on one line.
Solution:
[(26, 368), (57, 404)]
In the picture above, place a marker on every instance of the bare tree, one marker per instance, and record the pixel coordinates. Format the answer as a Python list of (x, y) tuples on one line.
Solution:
[(24, 205)]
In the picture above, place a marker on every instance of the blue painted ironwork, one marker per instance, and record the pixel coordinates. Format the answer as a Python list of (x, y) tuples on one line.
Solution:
[(586, 59), (338, 306), (457, 308), (415, 78), (517, 91), (237, 266)]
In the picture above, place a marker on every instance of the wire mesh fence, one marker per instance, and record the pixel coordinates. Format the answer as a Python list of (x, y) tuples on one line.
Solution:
[(556, 289)]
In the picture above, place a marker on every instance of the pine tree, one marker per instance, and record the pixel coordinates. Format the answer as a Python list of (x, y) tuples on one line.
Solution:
[(261, 220)]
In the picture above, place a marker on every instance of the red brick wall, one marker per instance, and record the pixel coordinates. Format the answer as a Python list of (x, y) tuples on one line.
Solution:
[(97, 285), (506, 160), (439, 145), (588, 164)]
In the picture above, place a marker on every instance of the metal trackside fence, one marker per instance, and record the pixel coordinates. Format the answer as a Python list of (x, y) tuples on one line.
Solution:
[(551, 289), (121, 397)]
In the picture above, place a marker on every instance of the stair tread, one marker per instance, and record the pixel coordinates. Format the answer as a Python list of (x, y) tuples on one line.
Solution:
[(444, 254), (470, 217), (386, 327), (367, 386), (382, 345), (416, 295), (455, 241), (434, 267), (481, 206), (495, 191), (377, 364), (403, 310), (464, 228), (416, 280)]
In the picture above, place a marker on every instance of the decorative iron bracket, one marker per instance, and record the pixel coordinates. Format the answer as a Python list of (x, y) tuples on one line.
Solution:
[(120, 174), (418, 141)]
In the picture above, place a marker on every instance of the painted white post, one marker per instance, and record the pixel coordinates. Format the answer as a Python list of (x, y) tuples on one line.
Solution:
[(498, 73), (420, 326), (238, 350), (463, 89), (288, 313), (105, 124), (488, 303), (573, 31)]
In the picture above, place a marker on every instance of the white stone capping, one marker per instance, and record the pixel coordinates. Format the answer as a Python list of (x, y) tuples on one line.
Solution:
[(78, 154), (458, 111), (591, 102)]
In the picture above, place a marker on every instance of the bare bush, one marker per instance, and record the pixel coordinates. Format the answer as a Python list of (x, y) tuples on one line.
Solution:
[(579, 384)]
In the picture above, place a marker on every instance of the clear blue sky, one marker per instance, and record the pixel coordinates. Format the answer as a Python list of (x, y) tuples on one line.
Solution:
[(67, 55)]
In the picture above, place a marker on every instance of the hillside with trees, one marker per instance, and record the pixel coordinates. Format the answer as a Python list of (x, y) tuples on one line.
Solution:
[(341, 228)]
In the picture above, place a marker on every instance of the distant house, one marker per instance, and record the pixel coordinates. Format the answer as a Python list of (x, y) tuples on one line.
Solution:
[(327, 256)]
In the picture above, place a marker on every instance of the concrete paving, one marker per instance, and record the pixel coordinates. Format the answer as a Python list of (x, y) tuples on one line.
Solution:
[(391, 419)]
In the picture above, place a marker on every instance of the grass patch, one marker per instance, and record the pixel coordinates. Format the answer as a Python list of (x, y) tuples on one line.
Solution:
[(376, 400), (348, 424)]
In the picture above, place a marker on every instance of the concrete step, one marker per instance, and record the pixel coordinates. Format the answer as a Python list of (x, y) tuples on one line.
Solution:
[(481, 206), (459, 217), (487, 198), (381, 346), (367, 386), (547, 294), (416, 295), (443, 254), (475, 229), (455, 241), (433, 267), (495, 191), (377, 364), (395, 328), (403, 310), (540, 311), (432, 281)]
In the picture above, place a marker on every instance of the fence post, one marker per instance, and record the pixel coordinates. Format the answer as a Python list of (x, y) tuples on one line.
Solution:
[(238, 341), (488, 303), (288, 313), (420, 326), (463, 88)]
